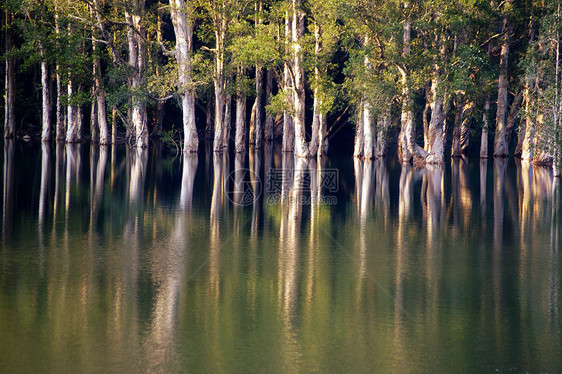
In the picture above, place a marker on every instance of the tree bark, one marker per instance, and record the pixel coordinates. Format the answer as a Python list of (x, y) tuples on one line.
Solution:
[(240, 138), (10, 79), (268, 127), (46, 103), (465, 125), (227, 122), (288, 125), (485, 127), (71, 122), (408, 149), (500, 141), (136, 64), (301, 146), (183, 29), (383, 124), (317, 115), (434, 147), (528, 136), (359, 134), (456, 146)]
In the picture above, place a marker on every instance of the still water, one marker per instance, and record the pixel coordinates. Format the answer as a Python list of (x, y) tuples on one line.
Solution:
[(118, 260)]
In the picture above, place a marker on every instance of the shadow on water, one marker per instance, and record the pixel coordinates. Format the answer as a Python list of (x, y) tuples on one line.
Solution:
[(122, 259)]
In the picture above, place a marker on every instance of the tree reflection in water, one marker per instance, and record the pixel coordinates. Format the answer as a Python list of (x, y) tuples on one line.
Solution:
[(129, 267)]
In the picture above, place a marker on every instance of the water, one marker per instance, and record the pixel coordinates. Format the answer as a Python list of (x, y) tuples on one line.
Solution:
[(115, 260)]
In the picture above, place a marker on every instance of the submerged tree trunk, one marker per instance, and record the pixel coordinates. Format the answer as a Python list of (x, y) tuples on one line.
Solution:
[(301, 146), (46, 103), (209, 119), (10, 80), (434, 147), (456, 146), (527, 137), (256, 127), (408, 149), (183, 29), (268, 126), (465, 125), (500, 141), (219, 83), (383, 124), (227, 122), (485, 127), (288, 125), (136, 61), (317, 114), (359, 134), (71, 120), (240, 137)]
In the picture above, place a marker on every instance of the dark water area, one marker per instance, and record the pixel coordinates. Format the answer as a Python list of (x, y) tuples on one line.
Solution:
[(119, 260)]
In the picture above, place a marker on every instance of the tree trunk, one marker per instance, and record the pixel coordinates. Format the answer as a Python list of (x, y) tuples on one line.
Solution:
[(529, 134), (268, 131), (136, 64), (456, 146), (465, 125), (288, 125), (46, 103), (485, 127), (240, 138), (434, 147), (10, 80), (408, 149), (256, 136), (209, 119), (301, 146), (227, 122), (368, 132), (71, 122), (94, 127), (317, 101), (513, 113), (359, 134), (219, 83), (500, 141), (383, 124), (99, 116), (183, 29)]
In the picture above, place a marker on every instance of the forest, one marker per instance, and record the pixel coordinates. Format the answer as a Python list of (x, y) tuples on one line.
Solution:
[(429, 79)]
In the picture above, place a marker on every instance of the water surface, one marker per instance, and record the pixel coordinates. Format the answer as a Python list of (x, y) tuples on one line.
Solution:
[(118, 260)]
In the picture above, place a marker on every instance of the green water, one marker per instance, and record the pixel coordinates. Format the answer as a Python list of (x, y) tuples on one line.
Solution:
[(114, 260)]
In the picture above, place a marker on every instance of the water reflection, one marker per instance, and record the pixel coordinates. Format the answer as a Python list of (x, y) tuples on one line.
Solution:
[(152, 264)]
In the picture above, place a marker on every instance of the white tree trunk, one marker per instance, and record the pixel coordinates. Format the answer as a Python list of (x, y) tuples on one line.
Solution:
[(219, 83), (288, 125), (301, 146), (183, 29), (136, 64), (227, 122), (359, 134), (45, 103), (368, 132), (383, 124), (71, 122), (500, 141), (240, 137), (465, 125), (317, 110), (485, 127), (10, 82), (434, 145), (408, 148)]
